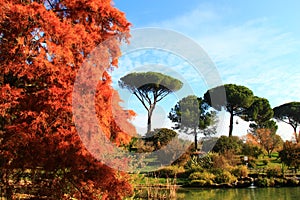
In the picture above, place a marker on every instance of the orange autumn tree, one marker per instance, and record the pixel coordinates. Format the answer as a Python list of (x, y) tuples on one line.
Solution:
[(266, 139), (43, 44)]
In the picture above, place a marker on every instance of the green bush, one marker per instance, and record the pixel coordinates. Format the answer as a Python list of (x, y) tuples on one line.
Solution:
[(274, 171), (224, 176), (201, 176), (225, 143), (194, 169), (169, 171), (265, 162), (251, 150), (199, 163), (160, 137), (262, 182)]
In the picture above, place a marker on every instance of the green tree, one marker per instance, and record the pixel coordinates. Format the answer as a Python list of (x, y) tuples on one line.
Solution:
[(251, 150), (225, 143), (150, 88), (238, 99), (192, 113), (161, 137), (289, 113), (260, 113)]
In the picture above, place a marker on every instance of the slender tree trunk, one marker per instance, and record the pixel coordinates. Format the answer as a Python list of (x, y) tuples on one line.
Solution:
[(196, 140), (296, 135), (231, 124), (150, 111), (8, 193)]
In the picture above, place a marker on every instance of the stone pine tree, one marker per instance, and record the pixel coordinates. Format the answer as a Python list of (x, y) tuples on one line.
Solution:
[(238, 99), (191, 114), (150, 88), (289, 113), (260, 114)]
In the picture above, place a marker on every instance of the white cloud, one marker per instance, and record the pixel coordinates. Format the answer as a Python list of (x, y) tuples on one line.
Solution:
[(200, 15)]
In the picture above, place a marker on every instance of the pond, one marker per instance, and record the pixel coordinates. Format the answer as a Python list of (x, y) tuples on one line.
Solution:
[(284, 193)]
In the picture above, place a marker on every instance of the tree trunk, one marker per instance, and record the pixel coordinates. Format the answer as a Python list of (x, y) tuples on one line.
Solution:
[(231, 124), (150, 111), (8, 193), (296, 135), (196, 140)]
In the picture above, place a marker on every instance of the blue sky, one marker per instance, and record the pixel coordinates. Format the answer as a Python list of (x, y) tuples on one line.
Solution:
[(252, 43)]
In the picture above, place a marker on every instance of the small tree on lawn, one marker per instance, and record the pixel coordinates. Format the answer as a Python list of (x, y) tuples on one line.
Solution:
[(192, 114)]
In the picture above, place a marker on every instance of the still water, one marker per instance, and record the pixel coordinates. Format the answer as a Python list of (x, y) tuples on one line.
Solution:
[(290, 193)]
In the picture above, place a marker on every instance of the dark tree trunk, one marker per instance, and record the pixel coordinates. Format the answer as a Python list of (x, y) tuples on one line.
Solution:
[(231, 124), (196, 140), (296, 135)]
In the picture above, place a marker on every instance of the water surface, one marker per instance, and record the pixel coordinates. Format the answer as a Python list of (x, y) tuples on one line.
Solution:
[(284, 193)]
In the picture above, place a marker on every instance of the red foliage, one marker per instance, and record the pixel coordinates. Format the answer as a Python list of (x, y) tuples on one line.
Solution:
[(43, 45)]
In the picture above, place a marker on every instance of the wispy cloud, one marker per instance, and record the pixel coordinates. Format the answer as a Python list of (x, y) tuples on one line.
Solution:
[(255, 53)]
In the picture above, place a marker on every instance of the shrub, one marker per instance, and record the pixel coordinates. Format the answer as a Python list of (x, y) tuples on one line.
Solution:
[(201, 179), (169, 171), (204, 162), (231, 158), (201, 176), (271, 182), (240, 171), (160, 137), (251, 150), (194, 169), (290, 154), (279, 182), (228, 143), (265, 162), (292, 182), (219, 161), (274, 171), (262, 182), (251, 162), (224, 177)]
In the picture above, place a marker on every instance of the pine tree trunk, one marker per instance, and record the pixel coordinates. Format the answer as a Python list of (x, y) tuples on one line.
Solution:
[(231, 124), (196, 140), (150, 111), (296, 135)]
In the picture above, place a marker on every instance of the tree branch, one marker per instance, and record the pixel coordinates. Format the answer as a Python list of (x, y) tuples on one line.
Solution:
[(50, 4), (141, 100)]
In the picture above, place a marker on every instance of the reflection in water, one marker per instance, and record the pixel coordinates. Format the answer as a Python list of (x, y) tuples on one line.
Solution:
[(234, 194)]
